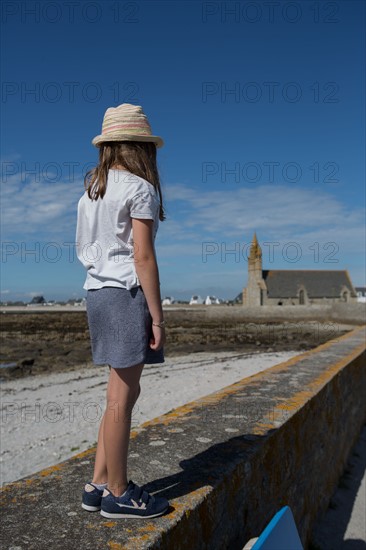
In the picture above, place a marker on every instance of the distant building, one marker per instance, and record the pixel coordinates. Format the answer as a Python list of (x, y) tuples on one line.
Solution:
[(237, 300), (294, 286), (195, 300), (79, 302), (167, 301), (211, 300), (361, 293), (37, 300)]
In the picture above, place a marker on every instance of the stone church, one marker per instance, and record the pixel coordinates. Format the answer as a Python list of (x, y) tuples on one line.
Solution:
[(277, 287)]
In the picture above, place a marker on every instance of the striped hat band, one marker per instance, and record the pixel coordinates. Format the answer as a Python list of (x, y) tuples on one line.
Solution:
[(126, 123)]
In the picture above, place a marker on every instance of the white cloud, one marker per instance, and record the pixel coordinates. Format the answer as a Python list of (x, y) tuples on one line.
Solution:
[(36, 209), (278, 213)]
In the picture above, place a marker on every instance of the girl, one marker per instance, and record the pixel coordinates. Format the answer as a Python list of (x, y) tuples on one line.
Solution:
[(118, 218)]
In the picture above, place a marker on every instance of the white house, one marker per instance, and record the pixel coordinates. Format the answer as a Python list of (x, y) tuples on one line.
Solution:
[(361, 293), (167, 301), (211, 300), (196, 299)]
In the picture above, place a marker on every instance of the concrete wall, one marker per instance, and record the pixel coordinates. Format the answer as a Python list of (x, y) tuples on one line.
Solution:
[(341, 312), (227, 462), (308, 302), (354, 314)]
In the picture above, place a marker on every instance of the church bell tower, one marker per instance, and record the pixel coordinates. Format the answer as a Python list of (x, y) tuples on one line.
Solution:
[(255, 260), (252, 294)]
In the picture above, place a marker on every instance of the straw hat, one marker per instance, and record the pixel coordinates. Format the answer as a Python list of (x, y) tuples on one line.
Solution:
[(126, 123)]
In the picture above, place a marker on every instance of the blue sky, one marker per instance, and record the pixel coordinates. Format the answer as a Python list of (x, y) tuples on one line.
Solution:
[(261, 107)]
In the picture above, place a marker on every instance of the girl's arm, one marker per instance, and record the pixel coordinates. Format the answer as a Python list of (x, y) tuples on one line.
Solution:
[(148, 274)]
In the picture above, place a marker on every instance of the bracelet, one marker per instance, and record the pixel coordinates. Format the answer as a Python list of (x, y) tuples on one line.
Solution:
[(161, 324)]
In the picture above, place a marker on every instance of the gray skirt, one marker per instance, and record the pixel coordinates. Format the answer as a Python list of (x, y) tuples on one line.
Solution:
[(120, 327)]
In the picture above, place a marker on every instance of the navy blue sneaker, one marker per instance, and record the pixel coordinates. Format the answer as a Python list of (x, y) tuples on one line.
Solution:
[(134, 503), (92, 498)]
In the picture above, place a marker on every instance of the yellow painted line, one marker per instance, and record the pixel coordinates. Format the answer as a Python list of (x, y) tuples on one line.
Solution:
[(115, 545), (213, 398), (84, 454), (48, 471), (313, 387)]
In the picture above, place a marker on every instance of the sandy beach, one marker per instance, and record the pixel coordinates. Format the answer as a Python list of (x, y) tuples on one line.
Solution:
[(50, 417)]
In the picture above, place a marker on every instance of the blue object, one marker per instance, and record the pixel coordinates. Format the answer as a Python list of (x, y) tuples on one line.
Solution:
[(280, 534), (92, 500), (135, 502)]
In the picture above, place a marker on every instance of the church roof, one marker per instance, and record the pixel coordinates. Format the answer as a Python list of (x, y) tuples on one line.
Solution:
[(283, 283)]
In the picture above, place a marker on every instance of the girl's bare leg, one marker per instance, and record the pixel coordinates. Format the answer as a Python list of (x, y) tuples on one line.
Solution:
[(100, 466), (122, 393)]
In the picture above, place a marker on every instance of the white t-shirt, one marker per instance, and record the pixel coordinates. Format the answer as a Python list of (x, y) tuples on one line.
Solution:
[(104, 236)]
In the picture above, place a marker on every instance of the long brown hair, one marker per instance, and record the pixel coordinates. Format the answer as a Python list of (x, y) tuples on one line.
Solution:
[(138, 157)]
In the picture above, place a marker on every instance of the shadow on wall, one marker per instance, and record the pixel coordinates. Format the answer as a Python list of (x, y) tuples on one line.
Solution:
[(346, 511)]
